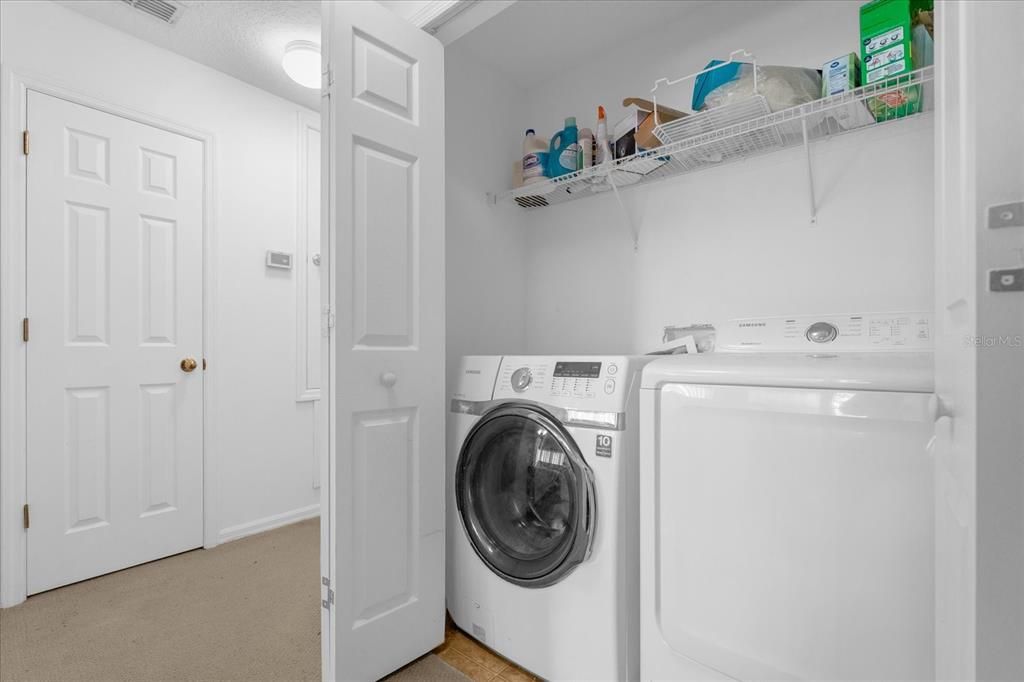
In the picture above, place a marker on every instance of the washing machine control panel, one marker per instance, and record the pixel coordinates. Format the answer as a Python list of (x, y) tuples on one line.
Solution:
[(597, 383), (521, 379), (578, 379)]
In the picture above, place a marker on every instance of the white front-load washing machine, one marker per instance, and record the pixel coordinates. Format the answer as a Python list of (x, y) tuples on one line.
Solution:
[(787, 503), (542, 512)]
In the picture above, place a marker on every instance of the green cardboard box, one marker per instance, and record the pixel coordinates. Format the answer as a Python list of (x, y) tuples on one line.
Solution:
[(886, 53)]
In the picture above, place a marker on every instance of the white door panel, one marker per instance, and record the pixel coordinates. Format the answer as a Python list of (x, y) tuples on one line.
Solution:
[(324, 414), (115, 304), (955, 361), (979, 439), (387, 220), (308, 263)]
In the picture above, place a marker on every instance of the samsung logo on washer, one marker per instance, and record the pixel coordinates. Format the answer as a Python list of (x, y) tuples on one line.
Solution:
[(753, 324)]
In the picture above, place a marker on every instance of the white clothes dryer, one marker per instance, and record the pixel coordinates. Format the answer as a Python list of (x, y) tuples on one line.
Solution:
[(787, 503)]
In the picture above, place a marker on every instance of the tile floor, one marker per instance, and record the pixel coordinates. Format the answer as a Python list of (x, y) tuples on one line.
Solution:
[(476, 661)]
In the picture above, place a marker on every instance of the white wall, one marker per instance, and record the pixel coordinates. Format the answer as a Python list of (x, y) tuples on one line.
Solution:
[(485, 245), (734, 241), (264, 438)]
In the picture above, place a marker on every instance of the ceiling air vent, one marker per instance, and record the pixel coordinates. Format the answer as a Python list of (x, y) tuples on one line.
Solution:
[(164, 10)]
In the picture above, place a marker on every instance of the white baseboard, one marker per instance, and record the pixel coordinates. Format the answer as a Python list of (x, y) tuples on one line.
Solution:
[(269, 522)]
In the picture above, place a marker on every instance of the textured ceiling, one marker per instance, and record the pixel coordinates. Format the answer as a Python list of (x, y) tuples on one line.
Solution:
[(242, 38)]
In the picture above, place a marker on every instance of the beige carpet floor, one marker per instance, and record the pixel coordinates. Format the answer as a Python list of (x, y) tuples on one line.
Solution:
[(247, 610)]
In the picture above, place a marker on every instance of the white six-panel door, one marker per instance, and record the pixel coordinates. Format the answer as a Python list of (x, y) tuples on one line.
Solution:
[(115, 305), (386, 237)]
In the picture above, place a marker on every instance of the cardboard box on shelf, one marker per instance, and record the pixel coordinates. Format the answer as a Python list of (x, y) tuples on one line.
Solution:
[(636, 130), (840, 75), (624, 133)]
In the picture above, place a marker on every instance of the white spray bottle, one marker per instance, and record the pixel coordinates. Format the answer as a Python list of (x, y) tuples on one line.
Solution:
[(603, 152)]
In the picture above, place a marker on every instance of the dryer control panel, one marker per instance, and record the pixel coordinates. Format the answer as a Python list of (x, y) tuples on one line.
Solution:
[(598, 383), (829, 333)]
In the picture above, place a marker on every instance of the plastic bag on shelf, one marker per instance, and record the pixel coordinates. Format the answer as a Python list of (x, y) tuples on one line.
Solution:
[(782, 87)]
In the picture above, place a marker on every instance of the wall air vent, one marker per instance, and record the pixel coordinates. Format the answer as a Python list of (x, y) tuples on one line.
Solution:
[(164, 10)]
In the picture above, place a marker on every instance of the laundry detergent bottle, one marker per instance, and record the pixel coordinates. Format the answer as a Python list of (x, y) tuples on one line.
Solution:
[(563, 153), (535, 157)]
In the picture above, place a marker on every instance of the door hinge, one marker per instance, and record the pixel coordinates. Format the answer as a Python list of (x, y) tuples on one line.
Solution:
[(24, 516), (328, 320), (326, 582), (24, 330), (24, 142)]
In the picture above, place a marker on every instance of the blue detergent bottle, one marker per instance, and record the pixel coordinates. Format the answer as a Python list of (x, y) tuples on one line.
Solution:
[(563, 152)]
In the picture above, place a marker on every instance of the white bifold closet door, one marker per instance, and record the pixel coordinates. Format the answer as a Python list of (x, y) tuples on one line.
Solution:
[(386, 242), (115, 450), (979, 362)]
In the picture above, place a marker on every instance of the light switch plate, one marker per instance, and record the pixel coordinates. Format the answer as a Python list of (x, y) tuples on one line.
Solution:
[(1009, 279), (279, 259), (1006, 215)]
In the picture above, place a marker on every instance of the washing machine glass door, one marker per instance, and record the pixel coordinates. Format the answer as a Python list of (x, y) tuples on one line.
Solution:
[(525, 495)]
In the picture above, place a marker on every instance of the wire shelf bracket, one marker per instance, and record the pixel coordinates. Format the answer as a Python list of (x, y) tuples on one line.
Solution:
[(810, 172), (633, 233)]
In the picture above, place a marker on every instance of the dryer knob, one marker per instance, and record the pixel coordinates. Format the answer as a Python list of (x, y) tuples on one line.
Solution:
[(822, 332), (521, 379)]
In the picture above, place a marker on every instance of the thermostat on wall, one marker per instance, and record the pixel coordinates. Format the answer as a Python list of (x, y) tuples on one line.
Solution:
[(279, 259)]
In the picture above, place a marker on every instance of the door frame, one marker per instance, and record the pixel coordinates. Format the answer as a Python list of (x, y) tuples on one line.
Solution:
[(13, 280)]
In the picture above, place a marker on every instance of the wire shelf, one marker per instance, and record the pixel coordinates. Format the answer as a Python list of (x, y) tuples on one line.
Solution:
[(735, 132)]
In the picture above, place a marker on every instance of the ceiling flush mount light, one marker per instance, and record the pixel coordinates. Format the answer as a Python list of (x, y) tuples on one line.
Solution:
[(301, 62)]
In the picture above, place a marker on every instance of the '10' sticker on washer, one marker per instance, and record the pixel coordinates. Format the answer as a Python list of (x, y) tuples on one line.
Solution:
[(604, 446)]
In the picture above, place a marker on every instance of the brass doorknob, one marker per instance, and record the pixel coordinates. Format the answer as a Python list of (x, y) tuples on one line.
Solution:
[(188, 364)]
